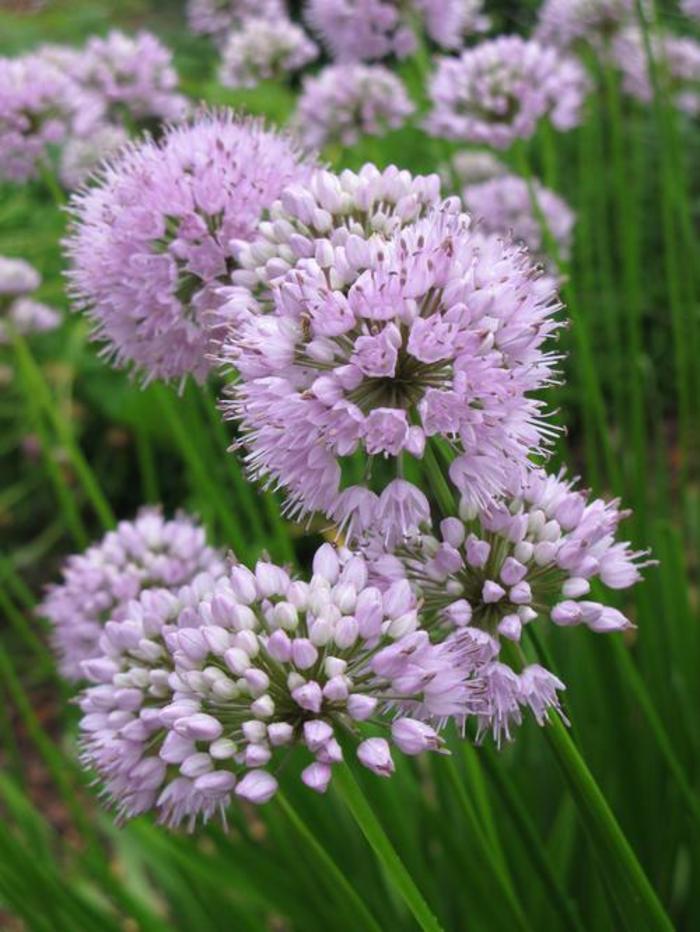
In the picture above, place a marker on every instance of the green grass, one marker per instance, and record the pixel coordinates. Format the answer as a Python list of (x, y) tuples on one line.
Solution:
[(595, 828)]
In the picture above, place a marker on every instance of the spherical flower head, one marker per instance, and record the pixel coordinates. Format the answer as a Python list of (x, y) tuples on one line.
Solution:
[(677, 60), (131, 75), (336, 211), (216, 18), (471, 166), (34, 113), (567, 23), (17, 277), (379, 346), (691, 8), (167, 212), (264, 49), (146, 553), (82, 155), (504, 205), (500, 90), (28, 317), (533, 553), (368, 30), (345, 102), (199, 695)]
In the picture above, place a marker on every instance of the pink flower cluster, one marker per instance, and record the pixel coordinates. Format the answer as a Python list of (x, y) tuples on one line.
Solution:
[(198, 692), (216, 18), (504, 206), (367, 30), (263, 49), (379, 345), (499, 91), (34, 115), (677, 62), (566, 23), (149, 552), (150, 242), (18, 312), (343, 103)]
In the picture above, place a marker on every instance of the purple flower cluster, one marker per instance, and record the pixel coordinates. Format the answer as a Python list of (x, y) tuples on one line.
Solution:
[(498, 569), (18, 312), (368, 30), (34, 114), (565, 23), (472, 166), (150, 242), (81, 155), (677, 60), (345, 102), (498, 91), (504, 205), (379, 345), (129, 77), (691, 8), (149, 552), (262, 49), (198, 693), (216, 18)]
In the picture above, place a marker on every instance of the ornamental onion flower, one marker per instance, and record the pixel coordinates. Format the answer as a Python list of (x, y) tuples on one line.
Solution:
[(525, 556), (367, 30), (677, 61), (34, 113), (82, 155), (471, 166), (498, 92), (166, 212), (263, 49), (17, 277), (216, 18), (504, 205), (380, 345), (199, 694), (26, 316), (691, 8), (148, 552), (565, 23), (329, 209), (345, 102), (130, 76)]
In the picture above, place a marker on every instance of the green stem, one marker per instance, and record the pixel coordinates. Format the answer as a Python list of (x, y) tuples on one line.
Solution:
[(629, 885), (352, 796), (328, 866)]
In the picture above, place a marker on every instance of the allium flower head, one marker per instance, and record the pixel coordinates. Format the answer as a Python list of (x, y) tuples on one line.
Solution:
[(504, 205), (165, 213), (357, 30), (131, 75), (471, 166), (565, 23), (535, 553), (34, 112), (378, 346), (26, 316), (345, 102), (498, 92), (17, 277), (216, 18), (677, 60), (330, 209), (263, 49), (82, 155), (146, 553), (691, 8), (200, 694)]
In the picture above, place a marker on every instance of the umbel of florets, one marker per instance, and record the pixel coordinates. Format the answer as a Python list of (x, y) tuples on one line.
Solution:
[(530, 555), (381, 345), (199, 695), (500, 90), (149, 243), (148, 552)]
